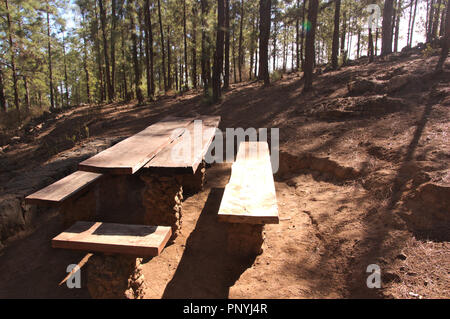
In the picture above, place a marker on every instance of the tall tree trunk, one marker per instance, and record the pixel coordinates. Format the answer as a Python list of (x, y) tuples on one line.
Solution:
[(137, 71), (436, 20), (358, 45), (302, 38), (397, 25), (50, 70), (13, 62), (411, 4), (169, 76), (105, 50), (27, 92), (205, 65), (194, 44), (430, 21), (335, 45), (446, 40), (442, 25), (162, 45), (274, 43), (297, 38), (264, 33), (113, 46), (85, 57), (226, 78), (376, 41), (2, 92), (241, 53), (310, 49), (185, 48), (412, 24), (95, 38), (218, 56), (344, 32), (149, 50), (66, 82), (386, 41)]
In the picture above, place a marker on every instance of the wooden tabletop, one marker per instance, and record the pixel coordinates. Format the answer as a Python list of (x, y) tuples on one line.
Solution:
[(195, 141), (129, 155)]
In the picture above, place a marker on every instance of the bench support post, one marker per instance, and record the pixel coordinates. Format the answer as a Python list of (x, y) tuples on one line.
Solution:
[(245, 239), (162, 199), (79, 208), (115, 277)]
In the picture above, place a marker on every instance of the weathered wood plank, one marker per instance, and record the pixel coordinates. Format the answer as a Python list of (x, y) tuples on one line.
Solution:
[(249, 196), (56, 193), (195, 141), (136, 240), (131, 154)]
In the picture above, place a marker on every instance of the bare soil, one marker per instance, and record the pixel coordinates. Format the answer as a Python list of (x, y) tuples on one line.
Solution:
[(363, 179)]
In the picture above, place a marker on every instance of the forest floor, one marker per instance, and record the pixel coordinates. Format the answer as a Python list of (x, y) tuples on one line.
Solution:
[(364, 179)]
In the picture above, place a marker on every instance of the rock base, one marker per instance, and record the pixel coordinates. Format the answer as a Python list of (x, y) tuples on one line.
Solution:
[(115, 277), (245, 239), (162, 199), (193, 183), (80, 208)]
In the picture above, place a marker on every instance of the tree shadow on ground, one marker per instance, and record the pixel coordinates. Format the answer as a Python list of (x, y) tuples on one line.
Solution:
[(206, 270)]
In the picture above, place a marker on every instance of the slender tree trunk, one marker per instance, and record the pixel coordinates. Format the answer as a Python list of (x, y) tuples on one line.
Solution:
[(13, 62), (2, 92), (412, 24), (358, 45), (185, 48), (105, 50), (310, 49), (66, 82), (397, 25), (411, 4), (234, 58), (274, 43), (226, 78), (169, 70), (264, 33), (85, 57), (50, 70), (430, 21), (436, 20), (344, 32), (137, 71), (335, 45), (149, 50), (386, 43), (218, 56), (162, 46), (205, 65), (446, 40), (113, 47), (297, 38), (194, 44), (302, 44), (27, 92), (241, 53), (442, 24)]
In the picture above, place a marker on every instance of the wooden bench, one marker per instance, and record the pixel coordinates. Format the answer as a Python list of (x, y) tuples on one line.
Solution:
[(117, 271), (59, 192), (110, 238), (249, 201)]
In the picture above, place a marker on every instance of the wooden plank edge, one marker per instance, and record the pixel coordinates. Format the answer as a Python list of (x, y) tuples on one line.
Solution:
[(51, 203), (225, 218)]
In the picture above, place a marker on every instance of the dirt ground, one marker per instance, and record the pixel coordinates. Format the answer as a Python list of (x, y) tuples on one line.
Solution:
[(364, 179)]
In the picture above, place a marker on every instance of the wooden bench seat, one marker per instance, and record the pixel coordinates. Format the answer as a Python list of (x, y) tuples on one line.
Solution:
[(67, 187), (249, 196), (165, 158), (134, 240), (129, 155)]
